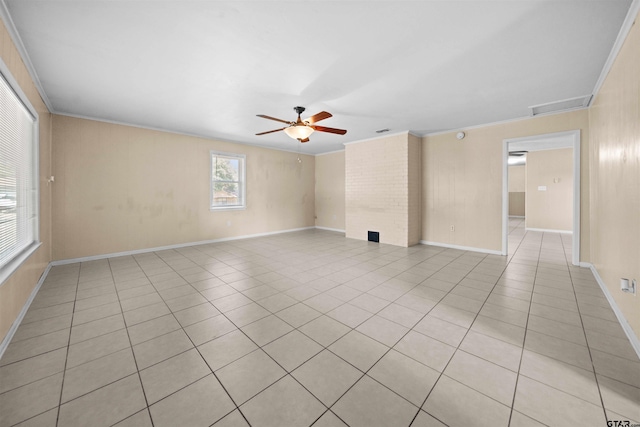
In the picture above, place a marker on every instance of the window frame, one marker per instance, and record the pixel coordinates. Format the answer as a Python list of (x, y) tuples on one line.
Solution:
[(242, 180), (17, 259)]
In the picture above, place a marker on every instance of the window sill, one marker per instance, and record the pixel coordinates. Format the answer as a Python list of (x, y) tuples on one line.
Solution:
[(9, 268), (227, 208)]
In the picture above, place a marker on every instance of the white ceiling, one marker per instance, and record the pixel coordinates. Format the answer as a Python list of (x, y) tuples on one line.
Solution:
[(208, 67)]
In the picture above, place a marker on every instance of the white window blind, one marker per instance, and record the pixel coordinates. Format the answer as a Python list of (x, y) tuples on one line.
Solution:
[(18, 179)]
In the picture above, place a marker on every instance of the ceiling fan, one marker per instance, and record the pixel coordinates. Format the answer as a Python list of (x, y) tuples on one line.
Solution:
[(301, 129)]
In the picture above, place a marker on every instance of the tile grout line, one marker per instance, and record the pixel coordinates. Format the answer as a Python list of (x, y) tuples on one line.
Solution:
[(526, 328), (326, 348), (287, 373), (392, 348), (194, 347), (584, 331), (457, 348), (240, 252), (66, 359), (135, 360)]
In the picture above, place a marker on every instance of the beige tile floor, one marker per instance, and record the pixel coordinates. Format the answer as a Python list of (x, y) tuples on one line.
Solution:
[(311, 328)]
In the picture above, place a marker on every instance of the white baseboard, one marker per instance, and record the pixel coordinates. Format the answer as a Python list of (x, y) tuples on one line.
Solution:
[(462, 248), (14, 326), (547, 230), (330, 229), (633, 339), (177, 246)]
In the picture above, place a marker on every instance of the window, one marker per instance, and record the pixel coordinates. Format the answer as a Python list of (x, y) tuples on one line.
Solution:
[(227, 181), (18, 176)]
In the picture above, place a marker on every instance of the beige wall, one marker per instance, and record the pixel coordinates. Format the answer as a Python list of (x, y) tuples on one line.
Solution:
[(330, 175), (462, 180), (516, 179), (121, 188), (516, 184), (517, 204), (15, 291), (615, 167), (551, 209), (377, 189)]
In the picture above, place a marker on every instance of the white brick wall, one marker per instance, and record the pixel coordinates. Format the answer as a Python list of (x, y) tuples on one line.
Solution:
[(382, 189)]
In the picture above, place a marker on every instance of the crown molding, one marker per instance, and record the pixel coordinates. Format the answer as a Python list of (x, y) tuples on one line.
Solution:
[(503, 122), (193, 135), (329, 152), (629, 20), (375, 138), (17, 41)]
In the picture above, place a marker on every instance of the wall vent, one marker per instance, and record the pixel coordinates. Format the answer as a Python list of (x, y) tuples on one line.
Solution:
[(564, 105), (374, 236)]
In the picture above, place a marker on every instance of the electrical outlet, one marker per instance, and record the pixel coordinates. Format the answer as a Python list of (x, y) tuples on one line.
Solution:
[(453, 228)]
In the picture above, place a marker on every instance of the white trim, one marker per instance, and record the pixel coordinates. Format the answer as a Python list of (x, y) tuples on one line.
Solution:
[(462, 248), (386, 135), (176, 246), (549, 230), (329, 152), (12, 265), (14, 326), (626, 327), (17, 42), (577, 173), (331, 229), (628, 22), (505, 198), (517, 216), (242, 181), (180, 133), (15, 86), (501, 122), (576, 136)]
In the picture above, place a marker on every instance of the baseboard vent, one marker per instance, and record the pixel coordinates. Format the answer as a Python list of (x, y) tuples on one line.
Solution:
[(564, 105), (374, 236)]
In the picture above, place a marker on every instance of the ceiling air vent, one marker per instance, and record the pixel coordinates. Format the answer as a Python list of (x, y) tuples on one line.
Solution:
[(564, 105)]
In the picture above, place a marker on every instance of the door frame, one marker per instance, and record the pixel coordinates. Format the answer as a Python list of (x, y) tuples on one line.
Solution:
[(575, 136)]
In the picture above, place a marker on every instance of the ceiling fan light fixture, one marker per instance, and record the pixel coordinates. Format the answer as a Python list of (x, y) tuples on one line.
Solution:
[(299, 131)]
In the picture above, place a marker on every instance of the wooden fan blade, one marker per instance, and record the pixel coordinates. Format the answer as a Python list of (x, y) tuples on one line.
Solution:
[(317, 117), (271, 131), (304, 140), (330, 130), (272, 118)]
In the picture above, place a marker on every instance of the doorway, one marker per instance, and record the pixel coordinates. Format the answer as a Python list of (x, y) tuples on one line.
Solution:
[(570, 139)]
